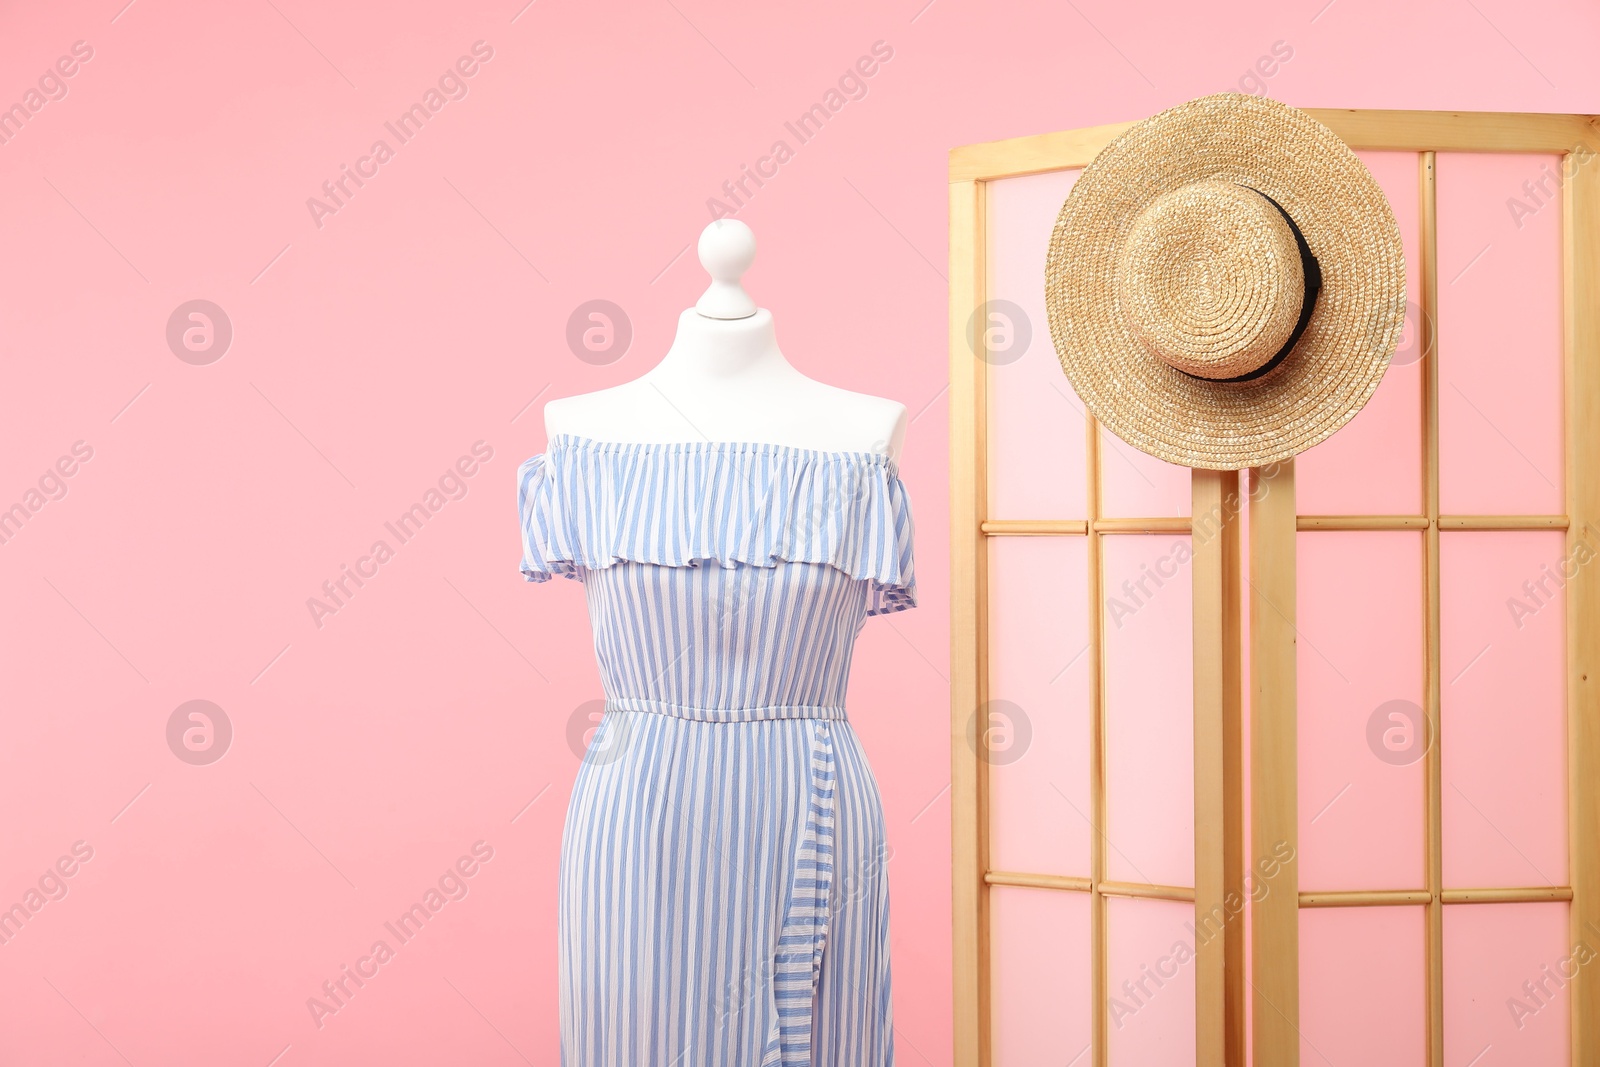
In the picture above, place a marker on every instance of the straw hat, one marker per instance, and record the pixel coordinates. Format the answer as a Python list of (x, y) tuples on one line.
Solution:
[(1225, 283)]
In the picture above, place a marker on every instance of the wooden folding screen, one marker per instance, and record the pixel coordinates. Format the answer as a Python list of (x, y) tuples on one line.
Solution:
[(1243, 590)]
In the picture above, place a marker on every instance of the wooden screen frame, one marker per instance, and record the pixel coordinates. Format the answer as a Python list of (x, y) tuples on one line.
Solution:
[(1219, 849)]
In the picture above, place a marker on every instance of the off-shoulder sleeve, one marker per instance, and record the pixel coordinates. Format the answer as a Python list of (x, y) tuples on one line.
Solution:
[(893, 586), (541, 558)]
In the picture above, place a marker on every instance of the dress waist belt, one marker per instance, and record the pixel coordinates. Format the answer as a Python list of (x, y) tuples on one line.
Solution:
[(684, 711)]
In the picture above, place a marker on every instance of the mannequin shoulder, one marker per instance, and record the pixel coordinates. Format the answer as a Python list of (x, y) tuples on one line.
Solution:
[(882, 421), (589, 414)]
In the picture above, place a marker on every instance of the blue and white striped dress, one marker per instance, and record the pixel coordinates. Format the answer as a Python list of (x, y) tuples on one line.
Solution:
[(723, 896)]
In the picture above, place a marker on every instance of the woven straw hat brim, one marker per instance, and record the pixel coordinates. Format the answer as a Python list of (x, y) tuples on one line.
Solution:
[(1347, 223)]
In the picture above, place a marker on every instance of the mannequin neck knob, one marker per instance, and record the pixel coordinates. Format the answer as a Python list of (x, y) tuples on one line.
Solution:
[(727, 248)]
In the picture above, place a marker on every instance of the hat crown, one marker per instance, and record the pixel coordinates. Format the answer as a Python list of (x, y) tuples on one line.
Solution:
[(1210, 279)]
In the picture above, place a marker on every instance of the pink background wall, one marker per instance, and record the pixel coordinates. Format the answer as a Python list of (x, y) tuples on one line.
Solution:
[(434, 709)]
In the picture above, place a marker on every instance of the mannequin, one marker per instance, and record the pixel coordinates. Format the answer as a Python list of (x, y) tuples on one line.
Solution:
[(734, 524), (724, 379)]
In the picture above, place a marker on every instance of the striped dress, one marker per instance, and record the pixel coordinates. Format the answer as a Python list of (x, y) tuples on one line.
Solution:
[(723, 898)]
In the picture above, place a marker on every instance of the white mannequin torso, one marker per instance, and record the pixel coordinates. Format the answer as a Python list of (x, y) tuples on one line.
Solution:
[(725, 379)]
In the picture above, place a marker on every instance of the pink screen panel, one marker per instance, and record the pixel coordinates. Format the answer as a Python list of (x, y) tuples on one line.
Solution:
[(1136, 485), (1363, 987), (1503, 653), (1491, 1018), (1149, 709), (1361, 732), (1500, 344), (1039, 977), (1150, 968), (1039, 716), (1374, 464), (1036, 430)]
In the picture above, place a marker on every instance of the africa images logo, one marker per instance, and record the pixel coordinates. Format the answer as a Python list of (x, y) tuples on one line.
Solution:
[(452, 85), (453, 484), (51, 86)]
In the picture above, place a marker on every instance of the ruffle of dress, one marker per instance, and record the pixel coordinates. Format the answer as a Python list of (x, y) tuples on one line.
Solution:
[(588, 505)]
